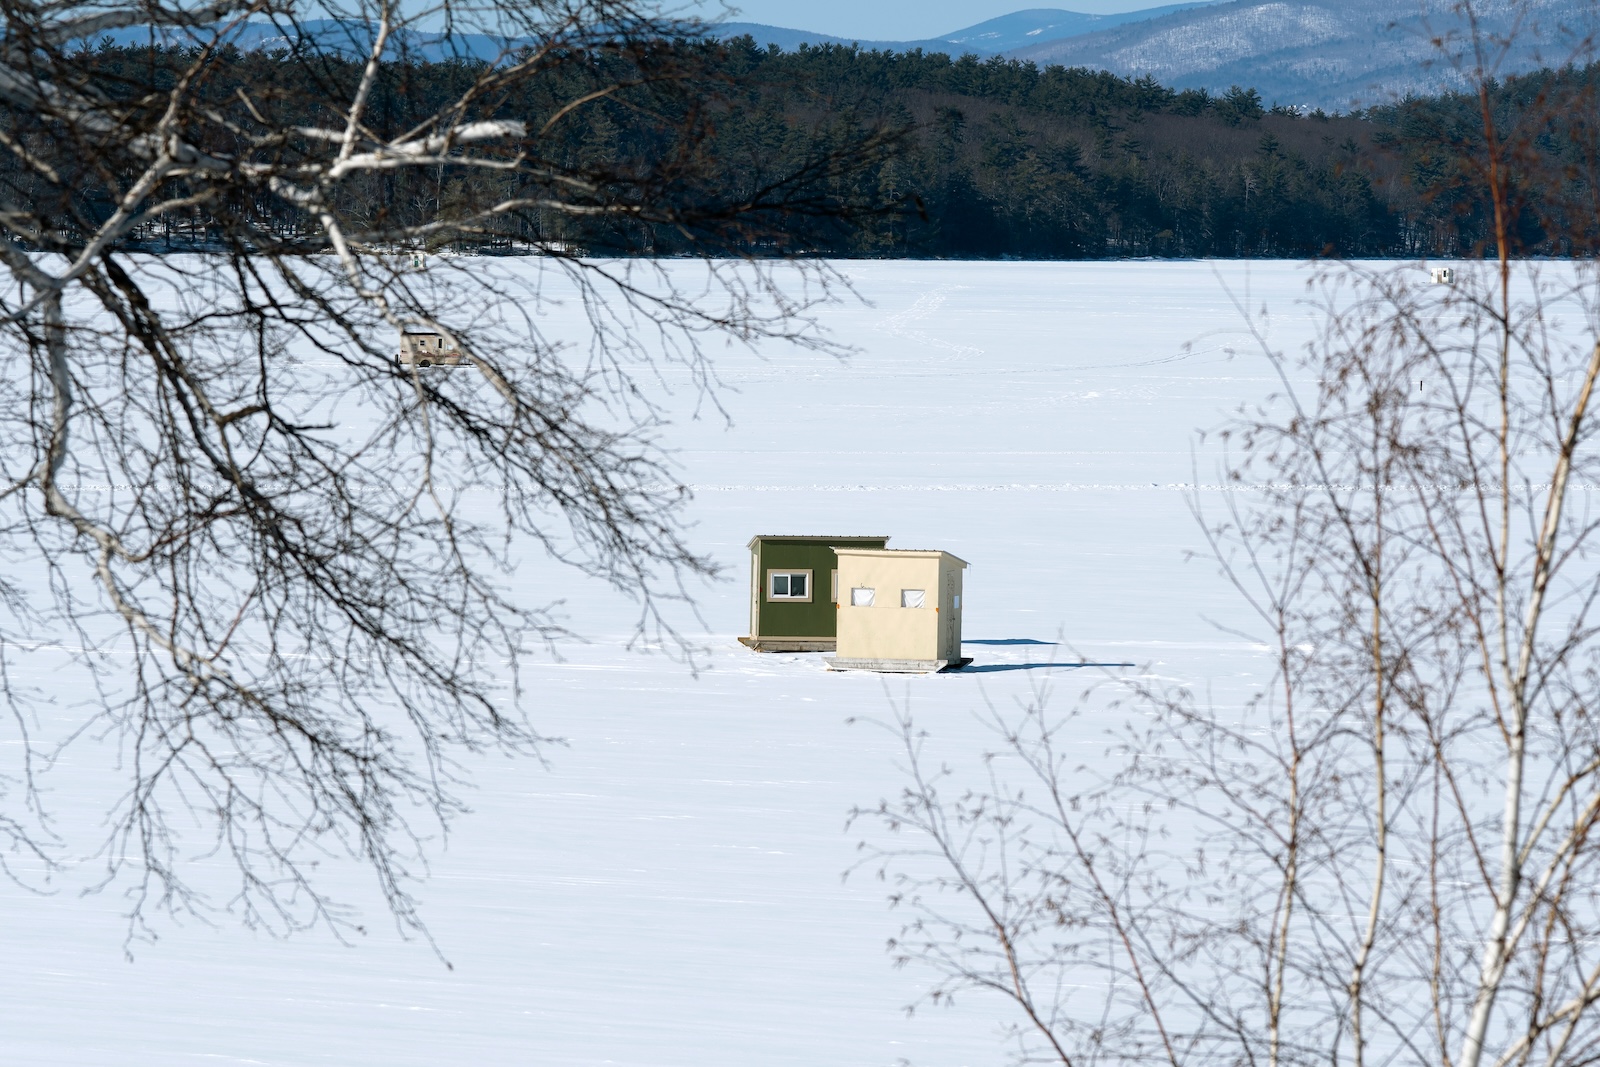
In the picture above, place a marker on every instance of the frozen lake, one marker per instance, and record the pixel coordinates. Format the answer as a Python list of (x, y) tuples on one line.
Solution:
[(667, 892)]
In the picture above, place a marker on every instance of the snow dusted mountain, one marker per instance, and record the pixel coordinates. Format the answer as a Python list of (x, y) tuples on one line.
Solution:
[(1333, 54), (996, 36), (1021, 29), (1322, 53)]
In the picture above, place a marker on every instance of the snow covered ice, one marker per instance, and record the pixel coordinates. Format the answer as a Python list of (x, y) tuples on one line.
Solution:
[(667, 891)]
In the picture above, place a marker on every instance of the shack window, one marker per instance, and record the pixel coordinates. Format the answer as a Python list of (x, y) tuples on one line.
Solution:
[(788, 585), (913, 598), (861, 598)]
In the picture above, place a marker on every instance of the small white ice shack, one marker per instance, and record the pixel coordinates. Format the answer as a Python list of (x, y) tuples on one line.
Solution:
[(899, 610), (426, 348)]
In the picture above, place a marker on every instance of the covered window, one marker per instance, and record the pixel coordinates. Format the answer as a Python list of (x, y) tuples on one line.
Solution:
[(862, 598), (913, 598), (788, 585)]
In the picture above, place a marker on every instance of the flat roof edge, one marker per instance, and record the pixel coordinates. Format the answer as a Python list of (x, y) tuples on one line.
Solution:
[(924, 553), (818, 539)]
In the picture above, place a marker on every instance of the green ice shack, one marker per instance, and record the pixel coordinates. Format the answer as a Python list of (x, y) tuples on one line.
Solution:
[(794, 591)]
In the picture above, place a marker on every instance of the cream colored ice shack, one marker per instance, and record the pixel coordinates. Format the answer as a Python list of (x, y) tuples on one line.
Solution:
[(899, 610), (427, 349)]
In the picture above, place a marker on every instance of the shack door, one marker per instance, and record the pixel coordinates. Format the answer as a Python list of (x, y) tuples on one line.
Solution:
[(952, 646)]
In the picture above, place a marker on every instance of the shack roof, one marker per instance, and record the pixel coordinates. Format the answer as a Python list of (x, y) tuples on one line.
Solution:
[(813, 539), (924, 553)]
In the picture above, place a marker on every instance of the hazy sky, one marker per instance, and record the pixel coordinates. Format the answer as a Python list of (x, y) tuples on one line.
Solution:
[(901, 19)]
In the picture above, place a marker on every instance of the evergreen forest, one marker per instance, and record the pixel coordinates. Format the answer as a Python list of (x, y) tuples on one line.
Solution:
[(921, 155)]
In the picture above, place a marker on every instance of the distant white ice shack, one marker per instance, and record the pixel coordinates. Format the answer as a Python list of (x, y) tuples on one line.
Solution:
[(1443, 275), (899, 610), (425, 348)]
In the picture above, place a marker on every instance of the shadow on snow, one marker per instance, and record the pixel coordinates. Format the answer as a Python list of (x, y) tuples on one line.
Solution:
[(994, 668)]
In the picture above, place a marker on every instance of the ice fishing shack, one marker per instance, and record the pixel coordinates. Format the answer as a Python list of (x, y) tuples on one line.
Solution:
[(794, 591), (899, 610), (429, 348)]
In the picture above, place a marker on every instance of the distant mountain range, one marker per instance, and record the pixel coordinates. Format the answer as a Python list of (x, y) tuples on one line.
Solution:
[(1333, 54), (1325, 53), (994, 37), (998, 36), (339, 36)]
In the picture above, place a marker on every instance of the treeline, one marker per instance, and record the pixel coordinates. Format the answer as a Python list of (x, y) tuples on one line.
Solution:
[(972, 158), (1544, 151), (1007, 158)]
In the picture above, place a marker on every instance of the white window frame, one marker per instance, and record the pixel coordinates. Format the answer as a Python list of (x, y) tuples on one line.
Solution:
[(859, 601), (773, 572), (908, 595)]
